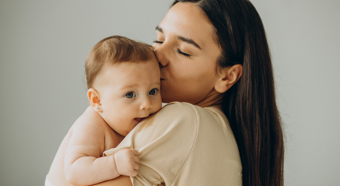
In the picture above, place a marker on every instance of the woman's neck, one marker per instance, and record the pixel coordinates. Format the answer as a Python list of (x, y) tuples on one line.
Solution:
[(213, 98)]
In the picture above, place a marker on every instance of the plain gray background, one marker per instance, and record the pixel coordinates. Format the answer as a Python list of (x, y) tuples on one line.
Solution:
[(43, 46)]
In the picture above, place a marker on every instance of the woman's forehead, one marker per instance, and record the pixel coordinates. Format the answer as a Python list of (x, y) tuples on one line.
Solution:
[(189, 21)]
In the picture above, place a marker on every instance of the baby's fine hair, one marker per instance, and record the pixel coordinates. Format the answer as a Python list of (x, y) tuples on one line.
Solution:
[(115, 49)]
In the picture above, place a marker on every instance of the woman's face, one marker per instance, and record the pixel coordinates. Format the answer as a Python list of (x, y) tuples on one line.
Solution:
[(187, 52)]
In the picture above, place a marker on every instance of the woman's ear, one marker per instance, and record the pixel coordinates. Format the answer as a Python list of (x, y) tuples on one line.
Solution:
[(94, 99), (228, 76)]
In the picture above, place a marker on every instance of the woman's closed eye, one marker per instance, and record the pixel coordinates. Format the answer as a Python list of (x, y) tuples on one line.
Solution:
[(156, 41), (130, 95), (153, 91), (178, 50), (183, 53)]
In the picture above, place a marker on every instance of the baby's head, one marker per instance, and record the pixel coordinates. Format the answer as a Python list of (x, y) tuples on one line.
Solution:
[(123, 80)]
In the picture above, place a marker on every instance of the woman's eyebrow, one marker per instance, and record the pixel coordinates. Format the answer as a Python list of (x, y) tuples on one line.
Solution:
[(190, 41), (187, 40), (159, 29)]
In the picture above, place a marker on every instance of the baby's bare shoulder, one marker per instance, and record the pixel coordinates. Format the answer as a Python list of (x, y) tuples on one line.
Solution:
[(92, 124), (90, 120)]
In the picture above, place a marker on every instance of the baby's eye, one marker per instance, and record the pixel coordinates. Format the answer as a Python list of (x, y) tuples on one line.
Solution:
[(130, 95), (153, 91)]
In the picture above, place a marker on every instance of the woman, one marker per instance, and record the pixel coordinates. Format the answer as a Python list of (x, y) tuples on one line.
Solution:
[(214, 55)]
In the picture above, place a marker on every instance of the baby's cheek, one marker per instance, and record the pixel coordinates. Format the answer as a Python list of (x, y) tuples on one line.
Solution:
[(159, 104)]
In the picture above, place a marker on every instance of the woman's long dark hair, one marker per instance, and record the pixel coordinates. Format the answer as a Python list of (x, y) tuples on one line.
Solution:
[(250, 104)]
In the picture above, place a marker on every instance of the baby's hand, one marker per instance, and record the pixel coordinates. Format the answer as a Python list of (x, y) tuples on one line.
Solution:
[(127, 162)]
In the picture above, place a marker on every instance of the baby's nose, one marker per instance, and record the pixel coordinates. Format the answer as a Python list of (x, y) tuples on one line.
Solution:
[(145, 105)]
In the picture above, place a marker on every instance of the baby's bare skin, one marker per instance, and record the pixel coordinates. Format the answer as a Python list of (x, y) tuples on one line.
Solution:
[(84, 144)]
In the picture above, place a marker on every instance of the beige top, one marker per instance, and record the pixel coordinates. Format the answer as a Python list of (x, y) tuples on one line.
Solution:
[(184, 144)]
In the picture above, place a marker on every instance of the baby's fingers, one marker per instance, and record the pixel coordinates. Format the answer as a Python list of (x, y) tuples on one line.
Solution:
[(135, 152), (134, 173), (136, 166), (136, 159)]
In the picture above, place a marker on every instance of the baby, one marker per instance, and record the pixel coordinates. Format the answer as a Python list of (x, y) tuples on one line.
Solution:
[(123, 80)]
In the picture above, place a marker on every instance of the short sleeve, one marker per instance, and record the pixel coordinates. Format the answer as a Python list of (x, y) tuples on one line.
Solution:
[(164, 141)]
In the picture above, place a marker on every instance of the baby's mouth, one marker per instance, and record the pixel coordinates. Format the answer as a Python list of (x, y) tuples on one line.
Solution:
[(138, 120)]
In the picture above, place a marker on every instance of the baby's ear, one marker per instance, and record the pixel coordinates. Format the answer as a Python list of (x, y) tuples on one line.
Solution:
[(228, 76), (94, 99)]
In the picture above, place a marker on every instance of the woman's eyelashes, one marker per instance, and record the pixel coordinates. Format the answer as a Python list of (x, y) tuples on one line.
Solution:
[(178, 50), (156, 41), (183, 53)]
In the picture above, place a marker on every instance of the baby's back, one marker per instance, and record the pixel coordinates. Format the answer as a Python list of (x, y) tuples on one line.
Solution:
[(56, 174)]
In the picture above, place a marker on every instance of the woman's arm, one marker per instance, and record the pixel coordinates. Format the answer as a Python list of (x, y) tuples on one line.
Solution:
[(120, 181)]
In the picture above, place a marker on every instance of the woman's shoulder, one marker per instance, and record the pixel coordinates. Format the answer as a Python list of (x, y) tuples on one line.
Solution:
[(181, 109), (173, 115), (186, 116), (179, 105), (187, 110)]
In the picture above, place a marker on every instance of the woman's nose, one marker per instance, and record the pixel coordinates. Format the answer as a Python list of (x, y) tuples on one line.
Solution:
[(161, 55), (145, 105)]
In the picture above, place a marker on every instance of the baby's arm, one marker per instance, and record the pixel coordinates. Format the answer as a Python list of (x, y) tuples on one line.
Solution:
[(83, 162)]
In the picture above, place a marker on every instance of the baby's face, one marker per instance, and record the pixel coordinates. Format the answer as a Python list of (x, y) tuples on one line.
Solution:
[(129, 92)]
